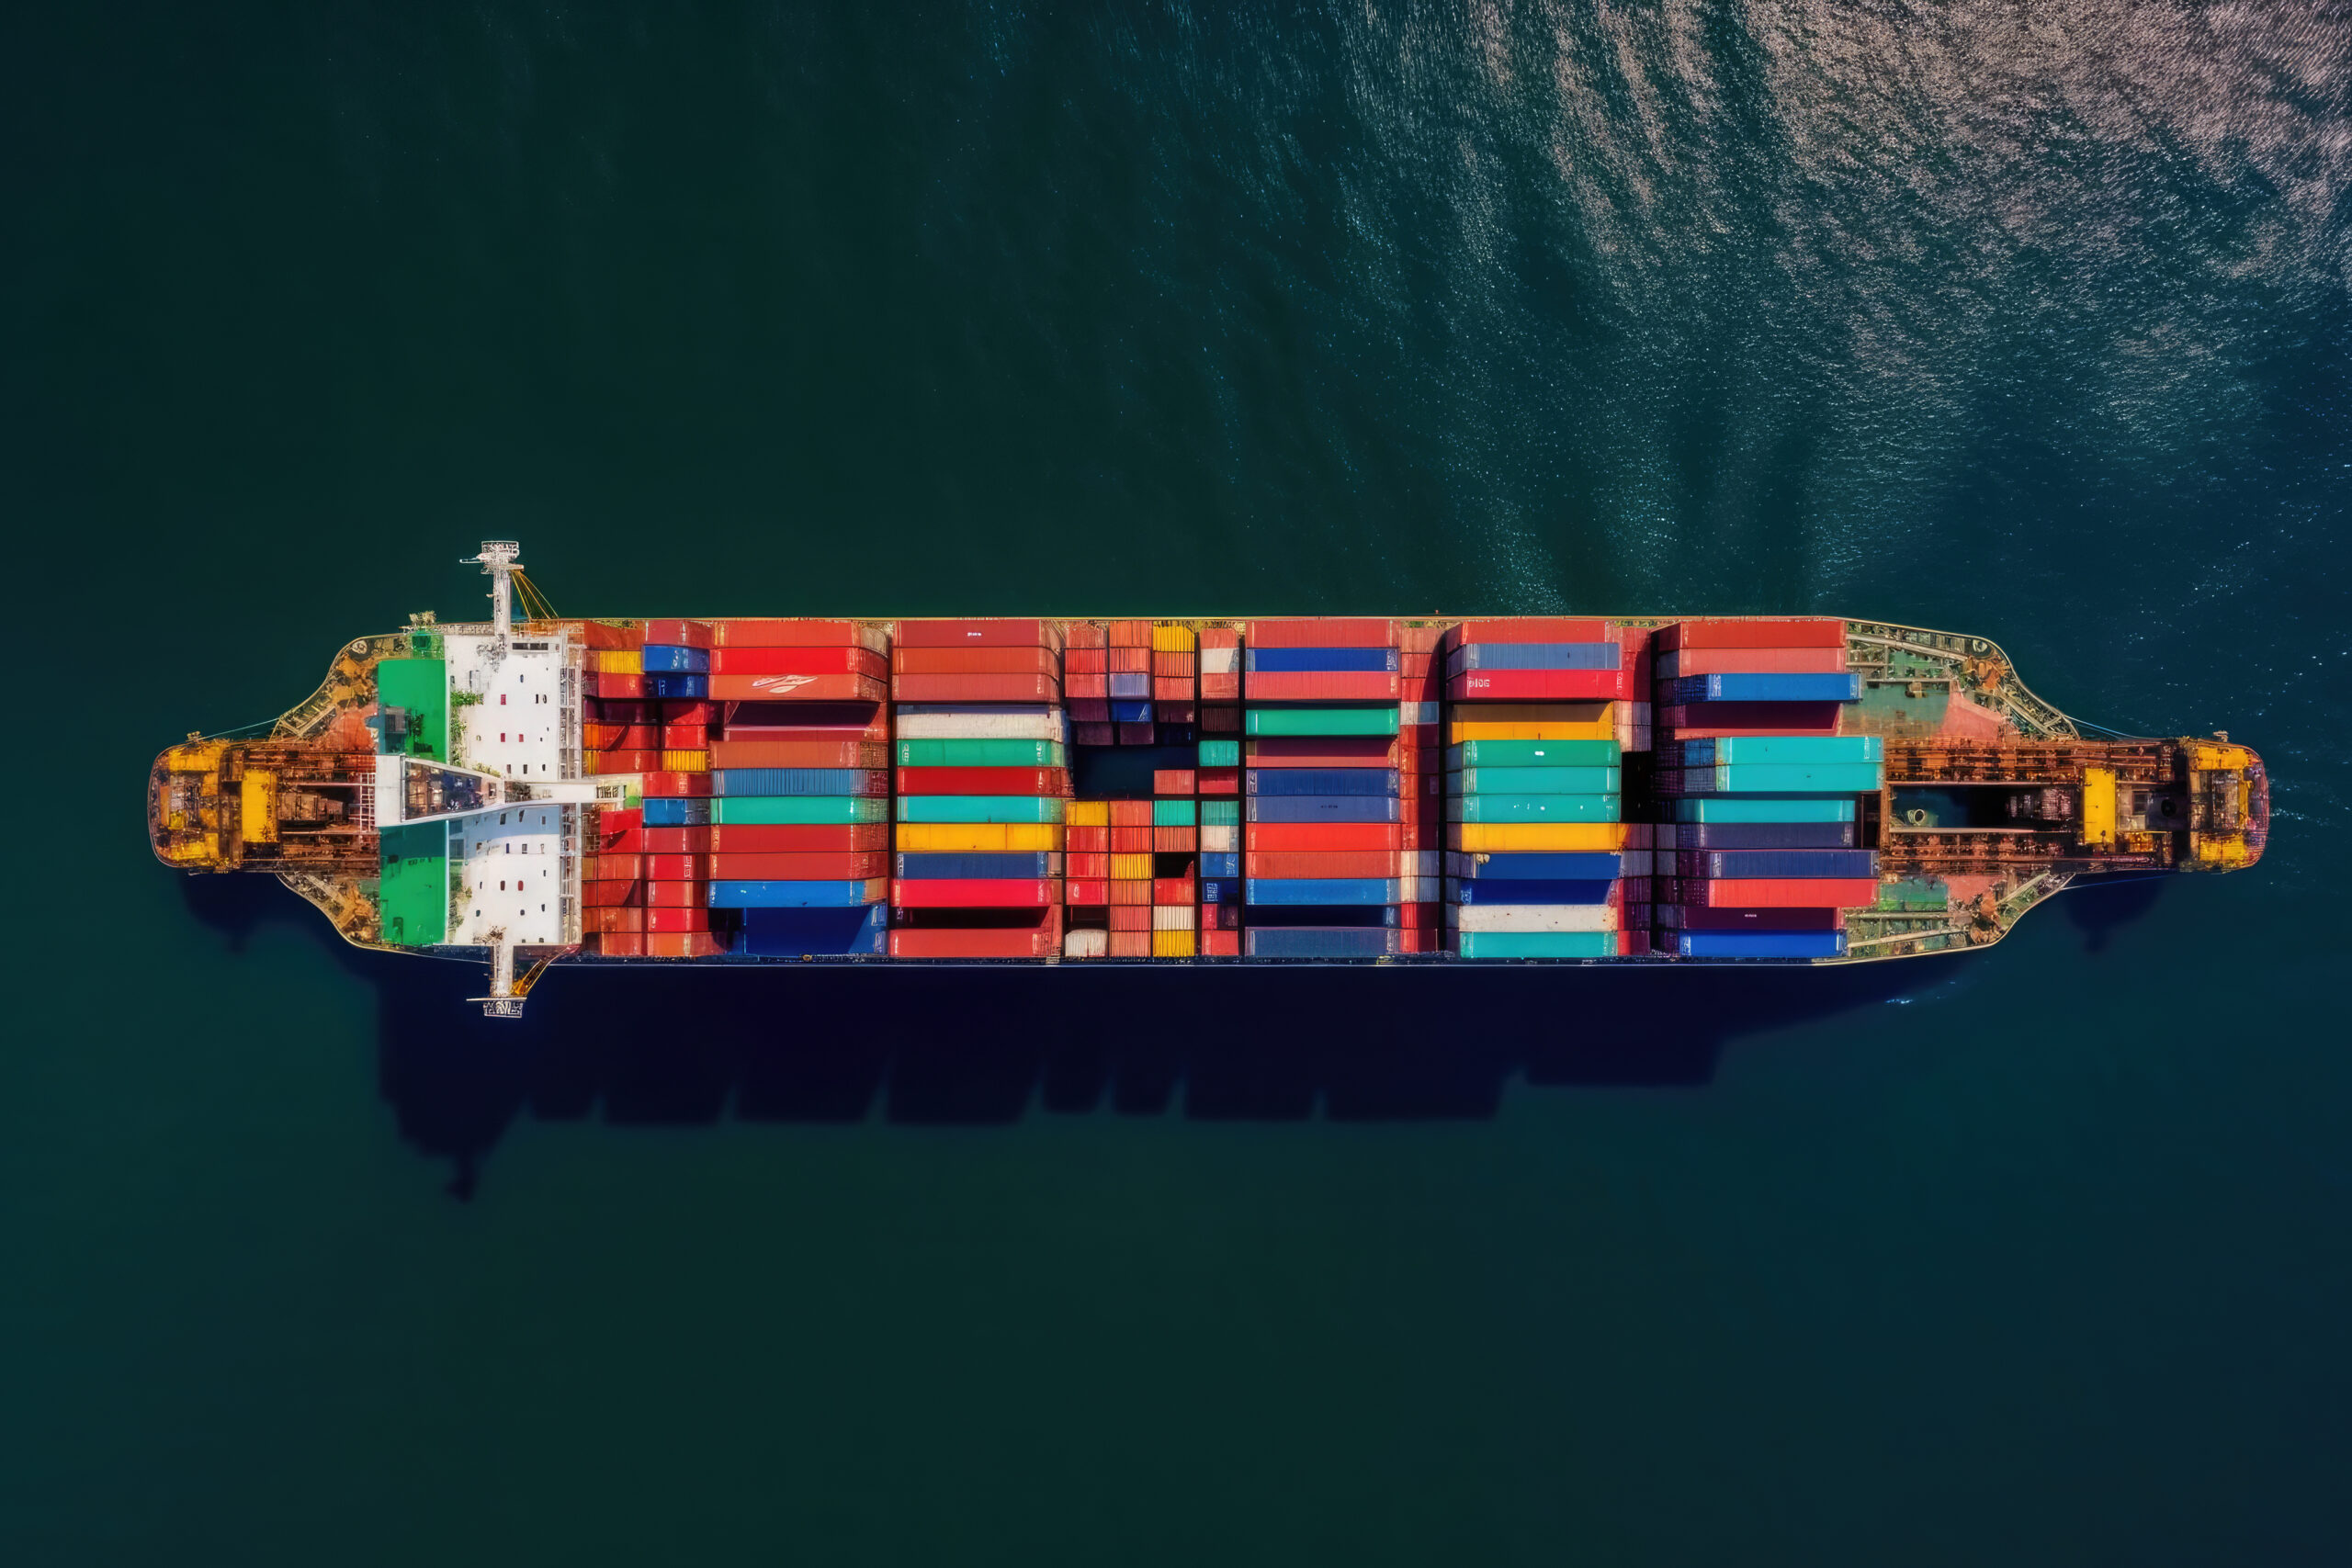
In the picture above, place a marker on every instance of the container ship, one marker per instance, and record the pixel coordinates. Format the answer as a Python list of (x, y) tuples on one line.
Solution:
[(1657, 790)]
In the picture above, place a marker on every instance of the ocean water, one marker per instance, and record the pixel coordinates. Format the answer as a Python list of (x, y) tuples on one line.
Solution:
[(2026, 320)]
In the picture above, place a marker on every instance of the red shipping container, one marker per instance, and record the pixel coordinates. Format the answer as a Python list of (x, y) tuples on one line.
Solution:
[(1085, 661), (1222, 720), (1087, 840), (1093, 711), (680, 944), (794, 837), (1332, 632), (839, 866), (687, 710), (1773, 893), (1536, 685), (1419, 640), (976, 661), (1751, 634), (1417, 836), (800, 688), (1128, 661), (1175, 840), (1128, 891), (1129, 944), (1411, 665), (1635, 644), (614, 893), (762, 633), (1131, 917), (1225, 687), (674, 918), (1087, 635), (1092, 733), (1168, 690), (866, 720), (1172, 892), (1323, 835), (607, 633), (1176, 712), (1529, 629), (996, 941), (1701, 918), (1421, 939), (1130, 634), (976, 689), (615, 831), (1130, 814), (1087, 890), (1093, 690), (1321, 863), (798, 661), (1633, 944), (597, 736), (1086, 863), (979, 633), (974, 893), (631, 738), (623, 710), (1218, 636), (692, 841), (676, 786), (612, 918), (1321, 685), (1220, 944), (1171, 780), (1321, 751), (676, 895), (603, 687), (1137, 734), (1131, 841), (677, 868), (799, 755), (678, 634), (1217, 917), (1217, 781), (621, 944), (1695, 720), (1684, 661), (1169, 666), (622, 761), (612, 867), (984, 781)]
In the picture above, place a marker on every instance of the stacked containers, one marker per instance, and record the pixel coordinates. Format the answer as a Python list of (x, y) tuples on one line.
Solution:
[(1174, 673), (612, 883), (1322, 855), (1175, 811), (1086, 684), (1537, 849), (1086, 878), (1760, 790), (619, 730), (1130, 683), (799, 817), (1218, 915), (677, 788), (980, 870), (1421, 787), (1130, 877)]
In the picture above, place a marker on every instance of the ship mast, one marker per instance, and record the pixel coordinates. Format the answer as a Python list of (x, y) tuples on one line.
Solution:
[(500, 565)]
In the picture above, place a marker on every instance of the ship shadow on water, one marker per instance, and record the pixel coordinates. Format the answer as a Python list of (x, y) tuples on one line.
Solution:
[(979, 1046)]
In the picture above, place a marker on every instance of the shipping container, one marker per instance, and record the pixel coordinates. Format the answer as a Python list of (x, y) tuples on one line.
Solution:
[(838, 866), (1760, 688), (789, 838), (1320, 632), (976, 661), (1319, 941), (741, 895), (1773, 778), (981, 721), (978, 634), (1526, 628), (974, 893), (1326, 890), (1322, 721), (982, 754), (833, 661), (1755, 660), (772, 633), (732, 781), (1759, 893), (793, 808), (1561, 656), (1504, 838), (1714, 808), (1534, 917), (1591, 867), (1365, 781), (1708, 633), (1699, 918), (971, 781), (1756, 835), (1535, 685), (1536, 781), (727, 754), (1011, 865), (784, 932), (1511, 890), (1322, 809), (1776, 863), (795, 688), (1537, 944), (1588, 753), (1498, 809), (1760, 944)]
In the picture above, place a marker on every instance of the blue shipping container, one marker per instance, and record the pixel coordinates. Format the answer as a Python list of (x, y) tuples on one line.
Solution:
[(1130, 684), (1473, 890), (1755, 836), (798, 895), (1323, 781), (1220, 864), (662, 659), (1761, 945), (1324, 809), (801, 780), (1778, 863), (1019, 865), (1818, 688), (1289, 660), (1130, 713), (1317, 941), (778, 932), (1221, 890), (1593, 867), (677, 685), (1321, 890), (1534, 656), (1705, 751), (669, 812)]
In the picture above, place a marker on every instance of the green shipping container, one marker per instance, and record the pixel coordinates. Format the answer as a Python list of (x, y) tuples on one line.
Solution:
[(1220, 754), (1760, 808), (1171, 813), (422, 687), (1220, 814), (979, 808), (1535, 781), (415, 893), (821, 810), (1536, 944), (1322, 721), (981, 754), (1808, 748), (1535, 808), (1794, 778), (1533, 754)]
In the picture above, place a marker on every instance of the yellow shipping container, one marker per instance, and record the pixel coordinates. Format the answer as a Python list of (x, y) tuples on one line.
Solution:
[(686, 761), (980, 838), (1172, 639), (1171, 944), (620, 661), (1547, 838), (1087, 814), (1462, 730), (1131, 868)]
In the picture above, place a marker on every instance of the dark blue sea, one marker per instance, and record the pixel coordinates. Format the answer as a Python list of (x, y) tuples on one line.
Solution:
[(2028, 321)]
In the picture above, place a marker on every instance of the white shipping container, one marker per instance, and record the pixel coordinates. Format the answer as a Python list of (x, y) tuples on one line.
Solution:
[(1220, 661), (1086, 945), (1420, 889), (1417, 713), (1220, 841), (1532, 916), (981, 721), (1172, 917)]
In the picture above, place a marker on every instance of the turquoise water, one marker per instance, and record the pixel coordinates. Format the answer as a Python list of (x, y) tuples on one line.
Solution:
[(2031, 322)]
